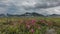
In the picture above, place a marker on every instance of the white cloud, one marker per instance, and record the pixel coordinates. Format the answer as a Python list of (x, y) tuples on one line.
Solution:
[(3, 10), (55, 10), (22, 6)]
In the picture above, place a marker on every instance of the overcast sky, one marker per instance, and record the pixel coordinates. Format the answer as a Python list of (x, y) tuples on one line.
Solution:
[(22, 6)]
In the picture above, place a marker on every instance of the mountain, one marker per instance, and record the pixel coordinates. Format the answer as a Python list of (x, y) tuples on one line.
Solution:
[(54, 15), (2, 15), (10, 15), (36, 14), (27, 14)]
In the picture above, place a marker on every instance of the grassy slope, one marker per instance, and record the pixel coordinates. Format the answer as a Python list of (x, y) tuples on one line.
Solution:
[(5, 20)]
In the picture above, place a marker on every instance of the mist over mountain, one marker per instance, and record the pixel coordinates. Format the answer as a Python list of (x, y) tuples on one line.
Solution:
[(45, 7)]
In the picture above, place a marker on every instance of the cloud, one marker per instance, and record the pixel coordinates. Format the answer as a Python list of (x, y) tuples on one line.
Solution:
[(55, 10), (22, 6), (40, 4)]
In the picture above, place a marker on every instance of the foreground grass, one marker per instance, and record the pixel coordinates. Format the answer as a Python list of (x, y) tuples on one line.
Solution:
[(16, 25)]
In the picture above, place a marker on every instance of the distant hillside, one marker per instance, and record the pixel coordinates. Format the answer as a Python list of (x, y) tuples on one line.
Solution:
[(27, 14), (2, 15), (31, 14), (54, 15)]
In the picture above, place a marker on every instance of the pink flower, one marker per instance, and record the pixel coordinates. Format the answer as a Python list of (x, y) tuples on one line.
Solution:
[(28, 26), (33, 22), (32, 31)]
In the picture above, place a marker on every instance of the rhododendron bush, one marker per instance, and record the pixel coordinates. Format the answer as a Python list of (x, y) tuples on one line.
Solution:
[(28, 26)]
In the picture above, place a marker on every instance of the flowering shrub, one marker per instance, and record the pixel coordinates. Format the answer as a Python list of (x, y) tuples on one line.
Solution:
[(30, 26)]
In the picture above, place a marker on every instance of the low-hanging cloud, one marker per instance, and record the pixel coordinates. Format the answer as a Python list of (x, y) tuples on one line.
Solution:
[(22, 6)]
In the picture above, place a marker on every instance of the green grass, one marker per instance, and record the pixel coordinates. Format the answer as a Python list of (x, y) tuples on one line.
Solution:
[(16, 25)]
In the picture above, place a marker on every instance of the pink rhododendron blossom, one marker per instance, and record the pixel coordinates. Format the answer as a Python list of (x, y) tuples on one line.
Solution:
[(28, 26), (33, 22), (32, 30)]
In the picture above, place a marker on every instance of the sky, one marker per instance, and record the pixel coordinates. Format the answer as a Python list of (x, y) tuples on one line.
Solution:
[(21, 6)]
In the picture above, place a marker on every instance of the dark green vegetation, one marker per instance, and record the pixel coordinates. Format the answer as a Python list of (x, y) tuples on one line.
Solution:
[(33, 25)]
